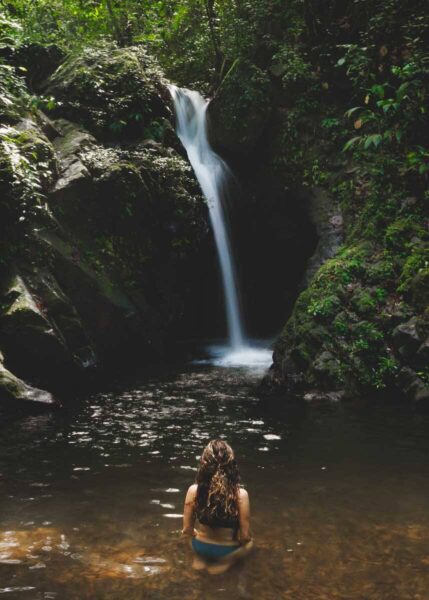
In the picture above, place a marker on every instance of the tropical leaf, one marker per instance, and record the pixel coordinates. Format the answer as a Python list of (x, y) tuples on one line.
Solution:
[(352, 142)]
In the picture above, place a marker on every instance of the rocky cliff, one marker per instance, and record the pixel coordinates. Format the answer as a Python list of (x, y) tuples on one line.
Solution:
[(101, 218)]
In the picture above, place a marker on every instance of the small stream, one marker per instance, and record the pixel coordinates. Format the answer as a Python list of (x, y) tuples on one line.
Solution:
[(91, 497)]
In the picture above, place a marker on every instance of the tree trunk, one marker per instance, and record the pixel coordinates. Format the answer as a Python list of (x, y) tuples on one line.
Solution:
[(211, 16), (115, 23)]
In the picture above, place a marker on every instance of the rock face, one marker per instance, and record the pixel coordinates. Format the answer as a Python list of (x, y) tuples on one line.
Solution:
[(325, 214), (100, 239), (349, 334)]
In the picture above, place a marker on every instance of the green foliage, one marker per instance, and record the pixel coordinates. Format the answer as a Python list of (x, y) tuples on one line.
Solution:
[(393, 112), (401, 233), (323, 307), (291, 65), (27, 167), (14, 97), (418, 160)]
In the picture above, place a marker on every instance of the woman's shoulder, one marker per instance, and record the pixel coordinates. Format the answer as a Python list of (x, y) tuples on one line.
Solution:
[(192, 490), (242, 494), (191, 494)]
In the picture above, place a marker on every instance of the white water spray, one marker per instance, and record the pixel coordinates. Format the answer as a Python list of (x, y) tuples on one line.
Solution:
[(213, 174)]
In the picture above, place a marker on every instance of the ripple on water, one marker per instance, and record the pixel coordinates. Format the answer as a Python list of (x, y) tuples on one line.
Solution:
[(344, 492), (17, 589)]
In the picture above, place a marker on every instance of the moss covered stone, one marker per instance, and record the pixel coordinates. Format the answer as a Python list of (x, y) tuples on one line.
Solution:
[(115, 92)]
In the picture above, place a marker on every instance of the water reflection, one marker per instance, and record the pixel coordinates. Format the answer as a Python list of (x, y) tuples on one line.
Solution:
[(91, 499)]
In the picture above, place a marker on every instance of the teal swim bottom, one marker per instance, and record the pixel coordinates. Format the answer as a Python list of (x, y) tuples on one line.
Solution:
[(212, 551)]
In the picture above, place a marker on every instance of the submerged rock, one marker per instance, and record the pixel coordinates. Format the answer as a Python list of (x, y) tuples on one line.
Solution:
[(319, 397)]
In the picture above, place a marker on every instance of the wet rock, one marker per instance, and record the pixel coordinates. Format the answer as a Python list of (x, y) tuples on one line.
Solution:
[(413, 386), (64, 317), (325, 214), (320, 397), (15, 392), (326, 365), (423, 353), (419, 289), (28, 336), (406, 338), (74, 177)]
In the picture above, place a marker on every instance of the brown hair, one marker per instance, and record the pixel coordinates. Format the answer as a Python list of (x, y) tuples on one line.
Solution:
[(218, 480)]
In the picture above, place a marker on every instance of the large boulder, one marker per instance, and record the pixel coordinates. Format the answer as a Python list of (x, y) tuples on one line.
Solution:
[(116, 92), (406, 337)]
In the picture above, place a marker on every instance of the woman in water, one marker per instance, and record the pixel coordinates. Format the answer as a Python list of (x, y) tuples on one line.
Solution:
[(222, 508)]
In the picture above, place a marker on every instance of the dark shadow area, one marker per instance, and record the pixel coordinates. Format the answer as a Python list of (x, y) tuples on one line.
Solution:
[(272, 238)]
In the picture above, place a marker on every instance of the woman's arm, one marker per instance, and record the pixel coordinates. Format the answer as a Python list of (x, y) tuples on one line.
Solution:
[(244, 516), (189, 511)]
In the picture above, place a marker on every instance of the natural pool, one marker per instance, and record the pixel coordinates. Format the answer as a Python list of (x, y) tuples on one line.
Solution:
[(90, 497)]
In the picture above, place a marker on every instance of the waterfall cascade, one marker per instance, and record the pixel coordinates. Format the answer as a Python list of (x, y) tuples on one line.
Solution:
[(213, 174)]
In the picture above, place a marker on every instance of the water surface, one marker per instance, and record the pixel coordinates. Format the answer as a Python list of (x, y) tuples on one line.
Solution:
[(90, 498)]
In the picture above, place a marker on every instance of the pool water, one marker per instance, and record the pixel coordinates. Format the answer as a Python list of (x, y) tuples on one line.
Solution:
[(91, 496)]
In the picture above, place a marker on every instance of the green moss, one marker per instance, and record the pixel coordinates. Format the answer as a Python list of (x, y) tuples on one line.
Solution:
[(382, 269), (114, 91), (14, 96), (363, 302), (326, 306), (416, 263), (403, 233), (27, 169)]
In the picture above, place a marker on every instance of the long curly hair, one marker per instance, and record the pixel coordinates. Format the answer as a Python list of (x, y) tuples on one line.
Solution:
[(218, 481)]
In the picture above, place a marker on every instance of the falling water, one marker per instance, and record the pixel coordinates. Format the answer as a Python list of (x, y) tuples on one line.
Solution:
[(212, 173)]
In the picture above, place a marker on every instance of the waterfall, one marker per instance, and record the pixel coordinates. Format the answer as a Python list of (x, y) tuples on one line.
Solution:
[(212, 174)]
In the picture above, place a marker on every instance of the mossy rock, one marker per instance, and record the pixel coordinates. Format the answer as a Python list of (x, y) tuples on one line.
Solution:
[(27, 332), (326, 366), (14, 95), (27, 169), (115, 92), (419, 289), (404, 232)]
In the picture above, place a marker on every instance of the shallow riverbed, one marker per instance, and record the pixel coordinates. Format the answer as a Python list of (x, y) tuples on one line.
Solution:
[(91, 497)]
